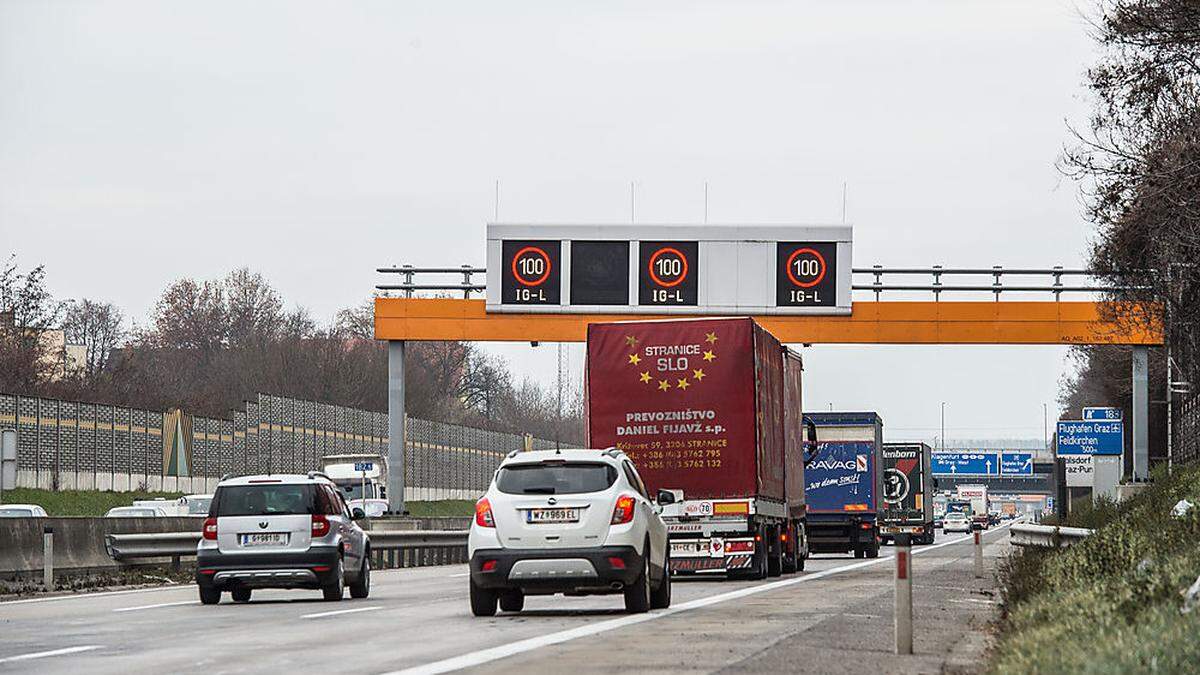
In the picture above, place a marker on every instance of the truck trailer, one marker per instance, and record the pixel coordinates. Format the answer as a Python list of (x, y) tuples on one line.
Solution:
[(844, 482), (978, 496), (702, 407), (908, 492)]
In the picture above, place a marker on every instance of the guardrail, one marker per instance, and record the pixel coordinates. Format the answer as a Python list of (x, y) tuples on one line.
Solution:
[(1050, 280), (1049, 536), (406, 548)]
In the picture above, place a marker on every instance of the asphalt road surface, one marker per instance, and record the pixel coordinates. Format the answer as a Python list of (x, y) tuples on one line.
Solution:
[(418, 621)]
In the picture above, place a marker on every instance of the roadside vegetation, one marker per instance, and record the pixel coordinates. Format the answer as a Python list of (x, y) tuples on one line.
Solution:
[(444, 508), (79, 502), (1116, 602)]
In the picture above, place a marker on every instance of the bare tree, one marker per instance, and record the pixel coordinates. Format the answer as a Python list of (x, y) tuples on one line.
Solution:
[(27, 311), (255, 311), (98, 327), (191, 316)]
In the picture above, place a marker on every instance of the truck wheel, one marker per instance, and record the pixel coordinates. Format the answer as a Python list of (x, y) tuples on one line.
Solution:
[(873, 550), (483, 600), (802, 552), (790, 557), (774, 549), (858, 553)]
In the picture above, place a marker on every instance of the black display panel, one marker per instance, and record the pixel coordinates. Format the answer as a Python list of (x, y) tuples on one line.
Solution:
[(667, 272), (599, 273), (806, 274), (530, 272)]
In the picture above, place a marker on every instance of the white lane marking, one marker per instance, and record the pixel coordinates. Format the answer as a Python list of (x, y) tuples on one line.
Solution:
[(974, 601), (455, 576), (103, 594), (52, 652), (495, 653), (161, 604), (341, 611)]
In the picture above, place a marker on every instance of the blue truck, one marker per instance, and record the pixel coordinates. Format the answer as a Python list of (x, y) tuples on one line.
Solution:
[(844, 483)]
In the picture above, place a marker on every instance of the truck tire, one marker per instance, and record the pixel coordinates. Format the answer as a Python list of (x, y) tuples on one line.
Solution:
[(774, 550), (790, 558), (873, 550), (483, 600), (802, 545), (858, 553)]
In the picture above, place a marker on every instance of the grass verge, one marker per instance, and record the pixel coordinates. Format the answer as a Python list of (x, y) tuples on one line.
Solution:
[(1114, 602), (441, 508), (79, 502)]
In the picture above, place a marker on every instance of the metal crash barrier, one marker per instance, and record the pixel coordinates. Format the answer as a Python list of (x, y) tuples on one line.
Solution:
[(1050, 536), (411, 548)]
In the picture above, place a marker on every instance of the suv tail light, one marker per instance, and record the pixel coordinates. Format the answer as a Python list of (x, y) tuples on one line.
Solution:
[(483, 513), (210, 528), (320, 526), (623, 512)]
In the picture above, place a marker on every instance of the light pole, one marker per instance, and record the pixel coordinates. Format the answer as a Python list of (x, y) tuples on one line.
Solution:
[(943, 425), (1045, 430)]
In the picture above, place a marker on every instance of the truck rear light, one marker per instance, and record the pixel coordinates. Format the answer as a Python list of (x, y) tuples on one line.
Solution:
[(783, 536), (483, 515), (210, 529), (865, 526), (739, 546), (758, 537), (616, 563), (488, 565), (320, 526), (623, 512)]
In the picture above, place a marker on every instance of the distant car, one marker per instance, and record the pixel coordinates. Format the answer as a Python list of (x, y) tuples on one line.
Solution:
[(937, 522), (568, 521), (168, 507), (22, 511), (195, 505), (374, 508), (956, 522), (281, 531), (136, 512)]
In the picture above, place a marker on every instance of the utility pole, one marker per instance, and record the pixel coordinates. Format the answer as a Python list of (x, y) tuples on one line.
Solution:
[(943, 425), (1045, 430)]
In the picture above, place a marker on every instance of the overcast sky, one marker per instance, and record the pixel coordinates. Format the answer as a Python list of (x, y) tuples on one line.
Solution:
[(145, 141)]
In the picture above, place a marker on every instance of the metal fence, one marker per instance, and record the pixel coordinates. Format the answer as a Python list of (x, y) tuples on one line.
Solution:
[(1185, 444), (65, 445)]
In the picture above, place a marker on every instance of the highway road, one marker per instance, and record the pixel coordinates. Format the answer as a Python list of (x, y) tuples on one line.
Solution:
[(418, 621)]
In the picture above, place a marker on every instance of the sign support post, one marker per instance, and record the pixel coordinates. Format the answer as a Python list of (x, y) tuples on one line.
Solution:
[(396, 428), (977, 531), (1141, 417)]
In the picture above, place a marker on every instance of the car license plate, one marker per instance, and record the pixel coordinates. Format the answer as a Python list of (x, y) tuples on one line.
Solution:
[(689, 548), (552, 515), (265, 539)]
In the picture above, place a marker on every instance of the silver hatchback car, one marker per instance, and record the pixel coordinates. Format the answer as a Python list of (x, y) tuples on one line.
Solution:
[(281, 531)]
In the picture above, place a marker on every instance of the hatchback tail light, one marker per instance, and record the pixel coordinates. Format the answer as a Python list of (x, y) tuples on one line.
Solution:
[(623, 512), (320, 526), (210, 529), (483, 513)]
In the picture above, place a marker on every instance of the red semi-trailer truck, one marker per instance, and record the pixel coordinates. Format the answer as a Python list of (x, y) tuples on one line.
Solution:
[(709, 409)]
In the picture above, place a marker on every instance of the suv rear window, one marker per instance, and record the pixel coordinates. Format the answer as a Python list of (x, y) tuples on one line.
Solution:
[(264, 500), (555, 479)]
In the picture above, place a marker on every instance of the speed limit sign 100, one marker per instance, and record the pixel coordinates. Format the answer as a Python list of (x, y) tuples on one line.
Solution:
[(530, 273), (805, 274)]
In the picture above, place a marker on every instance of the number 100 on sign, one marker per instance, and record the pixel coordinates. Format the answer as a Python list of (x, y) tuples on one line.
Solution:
[(806, 274)]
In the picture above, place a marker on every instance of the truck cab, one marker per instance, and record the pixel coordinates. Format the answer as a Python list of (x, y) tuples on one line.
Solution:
[(357, 476)]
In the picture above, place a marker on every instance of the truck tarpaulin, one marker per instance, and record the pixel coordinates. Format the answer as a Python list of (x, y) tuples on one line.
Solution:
[(696, 403)]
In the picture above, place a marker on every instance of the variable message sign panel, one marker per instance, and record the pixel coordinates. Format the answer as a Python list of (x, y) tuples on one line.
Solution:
[(665, 269)]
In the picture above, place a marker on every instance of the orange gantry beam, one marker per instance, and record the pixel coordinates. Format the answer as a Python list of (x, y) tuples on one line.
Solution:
[(1015, 323)]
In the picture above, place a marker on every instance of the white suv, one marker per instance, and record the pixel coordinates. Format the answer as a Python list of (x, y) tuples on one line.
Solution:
[(568, 521), (281, 531)]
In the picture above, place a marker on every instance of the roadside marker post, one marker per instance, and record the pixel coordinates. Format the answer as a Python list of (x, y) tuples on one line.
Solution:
[(48, 557), (904, 629), (977, 531)]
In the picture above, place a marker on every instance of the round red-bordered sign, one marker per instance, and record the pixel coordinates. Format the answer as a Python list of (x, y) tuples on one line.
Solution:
[(792, 277), (517, 275), (682, 274)]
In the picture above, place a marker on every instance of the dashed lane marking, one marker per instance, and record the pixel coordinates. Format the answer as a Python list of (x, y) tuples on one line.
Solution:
[(161, 604), (338, 612), (53, 652)]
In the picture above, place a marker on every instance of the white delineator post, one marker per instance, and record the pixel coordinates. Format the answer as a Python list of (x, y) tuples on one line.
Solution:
[(48, 557), (904, 626), (977, 531)]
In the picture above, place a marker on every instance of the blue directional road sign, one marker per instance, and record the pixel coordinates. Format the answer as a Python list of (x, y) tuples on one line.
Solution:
[(1016, 464), (1090, 437), (968, 463), (364, 466), (1101, 414)]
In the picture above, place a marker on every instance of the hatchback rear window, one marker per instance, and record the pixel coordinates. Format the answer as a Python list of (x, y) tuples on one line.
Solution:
[(264, 500), (555, 479)]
